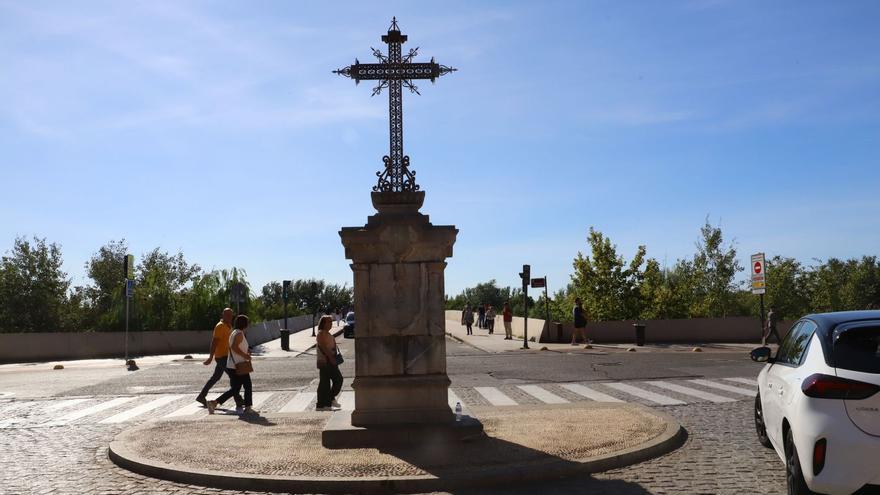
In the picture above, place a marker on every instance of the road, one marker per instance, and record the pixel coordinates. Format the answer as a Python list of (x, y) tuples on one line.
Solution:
[(55, 424)]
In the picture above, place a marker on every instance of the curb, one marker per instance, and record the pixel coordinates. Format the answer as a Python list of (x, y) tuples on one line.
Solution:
[(673, 437), (457, 339)]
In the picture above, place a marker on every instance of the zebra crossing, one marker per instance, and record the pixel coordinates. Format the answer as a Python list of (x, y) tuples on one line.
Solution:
[(137, 408)]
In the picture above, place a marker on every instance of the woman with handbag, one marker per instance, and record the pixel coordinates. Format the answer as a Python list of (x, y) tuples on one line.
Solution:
[(238, 367), (329, 360)]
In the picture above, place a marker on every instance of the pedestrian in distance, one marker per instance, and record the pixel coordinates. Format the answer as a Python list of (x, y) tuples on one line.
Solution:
[(467, 319), (330, 382), (507, 316), (580, 322), (481, 316), (490, 319), (771, 328), (239, 368), (217, 353)]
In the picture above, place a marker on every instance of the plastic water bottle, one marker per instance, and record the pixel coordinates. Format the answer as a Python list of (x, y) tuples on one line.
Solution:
[(458, 411)]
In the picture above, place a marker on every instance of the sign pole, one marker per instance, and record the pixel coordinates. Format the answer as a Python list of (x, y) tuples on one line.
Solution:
[(547, 305), (526, 274), (126, 320), (762, 318)]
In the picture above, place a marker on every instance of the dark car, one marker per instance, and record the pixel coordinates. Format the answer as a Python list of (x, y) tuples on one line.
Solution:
[(348, 329)]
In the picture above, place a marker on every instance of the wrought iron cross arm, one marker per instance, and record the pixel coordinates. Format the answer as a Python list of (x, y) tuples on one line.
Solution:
[(414, 70)]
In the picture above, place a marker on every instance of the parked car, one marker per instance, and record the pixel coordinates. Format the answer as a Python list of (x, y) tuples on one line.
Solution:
[(818, 404), (348, 329)]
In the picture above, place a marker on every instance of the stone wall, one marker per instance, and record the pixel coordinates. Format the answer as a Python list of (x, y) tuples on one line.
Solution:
[(693, 330), (32, 347)]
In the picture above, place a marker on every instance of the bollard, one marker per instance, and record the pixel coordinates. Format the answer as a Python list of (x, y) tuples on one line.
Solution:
[(558, 331), (285, 340), (640, 334)]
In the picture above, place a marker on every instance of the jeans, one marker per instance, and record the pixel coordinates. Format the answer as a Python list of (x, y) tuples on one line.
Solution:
[(236, 382), (219, 369), (326, 393)]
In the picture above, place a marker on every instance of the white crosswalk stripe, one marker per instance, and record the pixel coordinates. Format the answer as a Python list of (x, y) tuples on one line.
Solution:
[(691, 391), (542, 394), (589, 393), (103, 406), (645, 394), (188, 410), (495, 396), (260, 398), (726, 388), (748, 381), (346, 400), (64, 404), (141, 409), (299, 403)]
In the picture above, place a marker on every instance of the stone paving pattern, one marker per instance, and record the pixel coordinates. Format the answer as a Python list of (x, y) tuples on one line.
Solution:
[(721, 456)]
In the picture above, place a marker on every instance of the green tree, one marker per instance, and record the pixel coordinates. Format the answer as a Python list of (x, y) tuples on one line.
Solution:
[(103, 299), (786, 288), (33, 287), (607, 285), (715, 267), (160, 280)]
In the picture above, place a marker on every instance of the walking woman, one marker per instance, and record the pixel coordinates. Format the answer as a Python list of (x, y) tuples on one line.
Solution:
[(467, 319), (238, 367), (328, 367)]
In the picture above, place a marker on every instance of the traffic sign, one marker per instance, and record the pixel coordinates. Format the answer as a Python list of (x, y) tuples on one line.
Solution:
[(237, 292), (129, 288), (128, 266), (759, 275), (537, 283)]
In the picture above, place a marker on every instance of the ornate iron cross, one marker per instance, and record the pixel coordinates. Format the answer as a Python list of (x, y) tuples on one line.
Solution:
[(394, 72)]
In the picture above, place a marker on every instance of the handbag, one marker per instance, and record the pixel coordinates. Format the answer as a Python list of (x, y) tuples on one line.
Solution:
[(242, 368), (337, 356)]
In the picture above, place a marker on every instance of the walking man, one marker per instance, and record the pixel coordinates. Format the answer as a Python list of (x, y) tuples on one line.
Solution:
[(580, 322), (507, 316), (481, 316), (771, 328), (219, 351)]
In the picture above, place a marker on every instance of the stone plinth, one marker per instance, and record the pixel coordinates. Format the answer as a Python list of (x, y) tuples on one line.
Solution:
[(398, 260)]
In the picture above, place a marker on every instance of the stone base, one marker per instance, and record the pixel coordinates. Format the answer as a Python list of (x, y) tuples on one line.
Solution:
[(340, 434), (408, 399)]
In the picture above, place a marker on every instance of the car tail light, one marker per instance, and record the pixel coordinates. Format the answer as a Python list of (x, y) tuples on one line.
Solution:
[(823, 386), (819, 456)]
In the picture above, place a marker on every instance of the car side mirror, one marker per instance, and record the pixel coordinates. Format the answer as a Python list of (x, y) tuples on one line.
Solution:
[(761, 355)]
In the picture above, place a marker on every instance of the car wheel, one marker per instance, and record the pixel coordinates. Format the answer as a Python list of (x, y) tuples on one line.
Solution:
[(794, 477), (760, 427)]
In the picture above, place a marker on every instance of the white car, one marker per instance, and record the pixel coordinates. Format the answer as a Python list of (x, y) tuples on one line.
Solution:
[(818, 403)]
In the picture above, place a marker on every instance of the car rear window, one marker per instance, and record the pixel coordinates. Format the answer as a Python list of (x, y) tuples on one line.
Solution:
[(858, 349)]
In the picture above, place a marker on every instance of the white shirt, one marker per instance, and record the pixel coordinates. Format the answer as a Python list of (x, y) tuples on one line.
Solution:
[(242, 348)]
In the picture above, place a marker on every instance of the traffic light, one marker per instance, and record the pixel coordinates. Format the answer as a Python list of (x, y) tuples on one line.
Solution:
[(285, 291), (526, 274)]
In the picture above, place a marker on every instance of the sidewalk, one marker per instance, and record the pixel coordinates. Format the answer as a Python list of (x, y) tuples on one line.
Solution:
[(495, 343), (282, 452), (301, 342)]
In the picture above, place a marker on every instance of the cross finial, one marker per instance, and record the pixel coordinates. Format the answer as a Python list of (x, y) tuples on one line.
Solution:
[(395, 71)]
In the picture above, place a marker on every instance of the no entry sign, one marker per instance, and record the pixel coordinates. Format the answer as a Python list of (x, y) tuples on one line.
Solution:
[(759, 282)]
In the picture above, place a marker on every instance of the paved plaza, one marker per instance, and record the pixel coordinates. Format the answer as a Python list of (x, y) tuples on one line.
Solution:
[(57, 431)]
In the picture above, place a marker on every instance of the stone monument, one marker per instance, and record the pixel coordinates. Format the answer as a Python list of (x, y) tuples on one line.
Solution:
[(398, 259)]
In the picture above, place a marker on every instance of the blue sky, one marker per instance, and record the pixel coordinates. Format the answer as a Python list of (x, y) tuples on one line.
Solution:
[(218, 129)]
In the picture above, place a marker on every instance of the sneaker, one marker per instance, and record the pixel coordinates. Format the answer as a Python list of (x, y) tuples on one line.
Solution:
[(211, 405), (334, 403), (251, 410), (202, 401), (239, 410), (324, 408)]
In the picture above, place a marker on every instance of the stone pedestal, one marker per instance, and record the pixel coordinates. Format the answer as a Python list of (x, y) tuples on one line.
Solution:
[(400, 337)]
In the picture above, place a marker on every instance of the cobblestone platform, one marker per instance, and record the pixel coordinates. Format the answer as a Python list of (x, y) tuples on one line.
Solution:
[(283, 452)]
